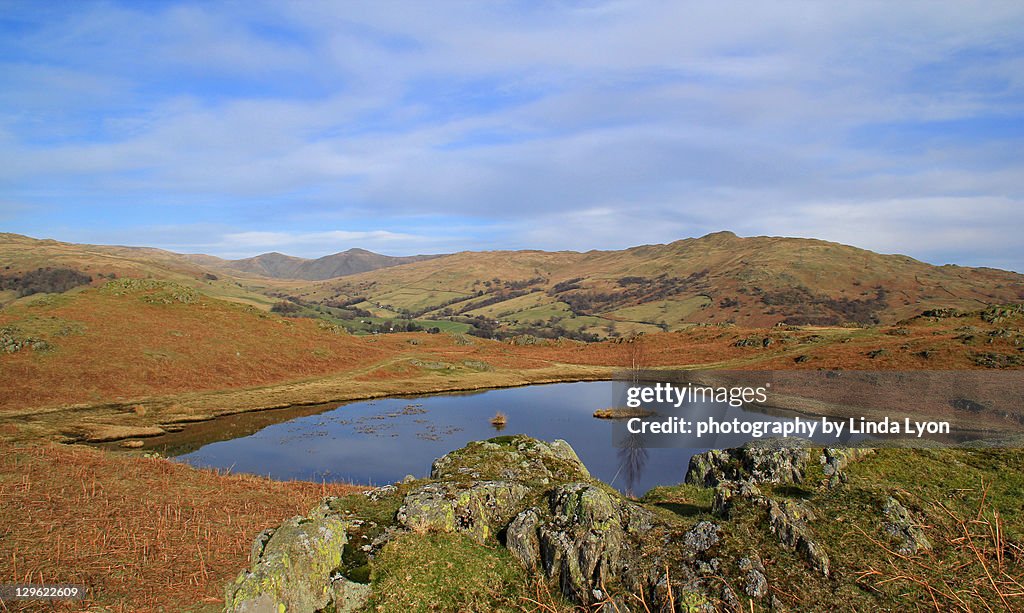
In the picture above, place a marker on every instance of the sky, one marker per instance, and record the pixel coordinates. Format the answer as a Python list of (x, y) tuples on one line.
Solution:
[(236, 128)]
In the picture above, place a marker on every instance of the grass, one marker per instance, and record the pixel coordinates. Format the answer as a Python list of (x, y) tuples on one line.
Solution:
[(414, 298), (972, 503), (683, 500), (446, 572), (193, 361), (142, 534), (968, 503), (672, 313), (514, 307)]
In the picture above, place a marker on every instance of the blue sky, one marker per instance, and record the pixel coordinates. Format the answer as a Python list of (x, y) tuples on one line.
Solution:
[(235, 128)]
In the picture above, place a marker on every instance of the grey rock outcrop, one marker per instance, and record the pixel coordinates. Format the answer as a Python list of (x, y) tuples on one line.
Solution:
[(789, 522), (834, 461), (518, 458), (478, 509), (763, 461), (584, 545), (587, 541), (787, 519), (294, 569)]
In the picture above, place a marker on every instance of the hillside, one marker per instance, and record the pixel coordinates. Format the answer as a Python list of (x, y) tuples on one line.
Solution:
[(719, 278), (716, 279), (280, 266)]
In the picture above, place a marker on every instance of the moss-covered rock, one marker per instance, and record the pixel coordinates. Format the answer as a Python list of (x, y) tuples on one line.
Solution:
[(294, 569), (478, 509), (512, 458)]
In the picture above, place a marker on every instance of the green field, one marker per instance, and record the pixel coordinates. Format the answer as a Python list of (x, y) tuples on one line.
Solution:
[(671, 313)]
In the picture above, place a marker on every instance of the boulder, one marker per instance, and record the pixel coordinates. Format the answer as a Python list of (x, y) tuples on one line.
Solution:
[(834, 461), (788, 521), (521, 538), (294, 569), (702, 536), (583, 545), (477, 509), (512, 458), (755, 583)]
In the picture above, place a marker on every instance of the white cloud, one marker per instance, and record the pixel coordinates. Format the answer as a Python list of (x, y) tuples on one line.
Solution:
[(682, 115)]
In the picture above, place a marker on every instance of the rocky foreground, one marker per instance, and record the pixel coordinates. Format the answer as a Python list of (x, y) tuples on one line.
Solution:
[(756, 542)]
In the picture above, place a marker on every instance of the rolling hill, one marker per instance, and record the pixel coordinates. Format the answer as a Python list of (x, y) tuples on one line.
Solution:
[(718, 278)]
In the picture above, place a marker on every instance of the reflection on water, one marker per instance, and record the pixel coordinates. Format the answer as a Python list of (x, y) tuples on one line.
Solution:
[(381, 441), (632, 460)]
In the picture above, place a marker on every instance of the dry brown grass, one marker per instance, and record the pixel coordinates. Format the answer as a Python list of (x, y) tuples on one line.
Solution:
[(136, 365), (142, 534), (983, 574)]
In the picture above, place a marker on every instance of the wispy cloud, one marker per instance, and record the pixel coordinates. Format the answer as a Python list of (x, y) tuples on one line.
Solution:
[(317, 125)]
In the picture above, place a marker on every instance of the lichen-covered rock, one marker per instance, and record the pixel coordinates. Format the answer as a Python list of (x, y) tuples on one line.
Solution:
[(349, 596), (702, 536), (522, 540), (13, 341), (727, 491), (586, 539), (512, 458), (755, 583), (712, 467), (478, 509), (592, 544), (900, 525), (763, 461), (293, 568), (582, 546), (788, 521)]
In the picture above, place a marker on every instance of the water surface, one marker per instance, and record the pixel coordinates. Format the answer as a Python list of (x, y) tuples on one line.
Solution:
[(380, 441)]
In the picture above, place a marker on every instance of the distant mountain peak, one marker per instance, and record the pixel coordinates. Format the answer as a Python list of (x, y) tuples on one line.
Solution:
[(352, 261)]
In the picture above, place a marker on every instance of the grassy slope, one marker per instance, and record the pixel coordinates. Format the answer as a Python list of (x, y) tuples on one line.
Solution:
[(21, 254), (968, 502), (142, 534), (739, 270), (745, 280), (140, 358)]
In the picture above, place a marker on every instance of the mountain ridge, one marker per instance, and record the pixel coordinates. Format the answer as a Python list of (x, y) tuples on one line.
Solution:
[(276, 265)]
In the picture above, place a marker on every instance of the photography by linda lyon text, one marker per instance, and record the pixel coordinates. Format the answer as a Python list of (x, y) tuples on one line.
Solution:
[(799, 427)]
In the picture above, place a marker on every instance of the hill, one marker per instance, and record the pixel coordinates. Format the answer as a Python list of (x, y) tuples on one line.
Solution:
[(718, 278), (280, 266)]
